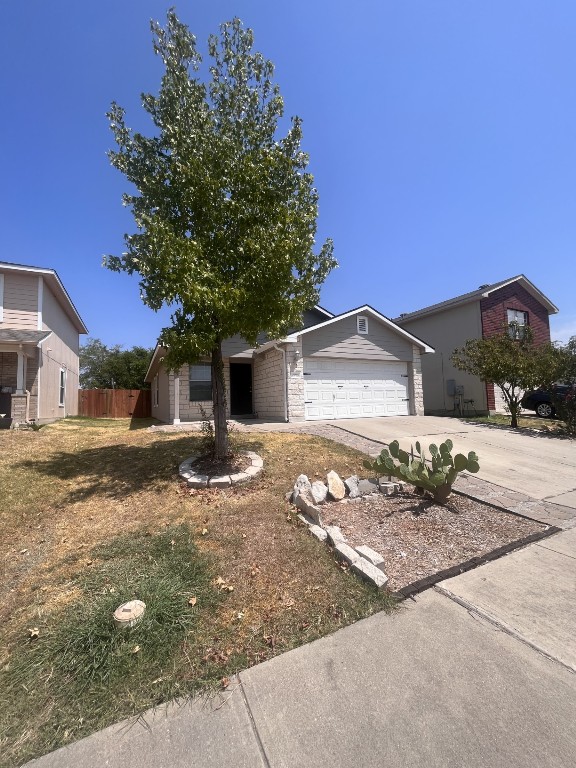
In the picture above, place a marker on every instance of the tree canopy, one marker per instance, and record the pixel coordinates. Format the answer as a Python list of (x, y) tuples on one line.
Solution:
[(511, 361), (103, 367), (224, 208)]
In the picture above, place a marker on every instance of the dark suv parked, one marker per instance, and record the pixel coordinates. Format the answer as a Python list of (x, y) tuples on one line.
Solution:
[(542, 401)]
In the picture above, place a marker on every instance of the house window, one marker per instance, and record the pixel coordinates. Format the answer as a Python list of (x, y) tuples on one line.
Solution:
[(362, 324), (200, 382), (155, 392), (62, 388), (517, 322)]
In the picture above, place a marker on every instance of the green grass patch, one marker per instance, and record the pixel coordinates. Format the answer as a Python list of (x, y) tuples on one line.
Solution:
[(82, 673)]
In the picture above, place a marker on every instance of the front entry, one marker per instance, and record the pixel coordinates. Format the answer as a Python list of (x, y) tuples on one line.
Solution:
[(241, 389)]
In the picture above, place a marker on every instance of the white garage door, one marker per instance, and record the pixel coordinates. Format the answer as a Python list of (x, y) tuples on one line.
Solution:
[(346, 389)]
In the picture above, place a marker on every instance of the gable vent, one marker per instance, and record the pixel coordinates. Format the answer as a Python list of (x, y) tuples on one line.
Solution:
[(362, 324)]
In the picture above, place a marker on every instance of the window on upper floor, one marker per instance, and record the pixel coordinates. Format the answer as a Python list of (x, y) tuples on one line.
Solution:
[(517, 322), (200, 382)]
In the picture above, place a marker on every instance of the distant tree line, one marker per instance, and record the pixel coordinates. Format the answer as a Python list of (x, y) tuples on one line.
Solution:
[(103, 367)]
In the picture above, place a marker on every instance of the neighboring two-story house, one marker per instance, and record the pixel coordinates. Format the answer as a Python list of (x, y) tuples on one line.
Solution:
[(476, 315), (357, 364), (39, 346)]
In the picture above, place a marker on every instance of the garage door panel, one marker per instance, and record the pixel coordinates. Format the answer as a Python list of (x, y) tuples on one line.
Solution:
[(351, 389)]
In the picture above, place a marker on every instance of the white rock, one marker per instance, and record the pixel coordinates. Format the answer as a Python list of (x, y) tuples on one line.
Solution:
[(347, 553), (351, 484), (319, 491), (369, 572), (336, 487), (335, 535), (302, 484), (371, 556), (305, 503)]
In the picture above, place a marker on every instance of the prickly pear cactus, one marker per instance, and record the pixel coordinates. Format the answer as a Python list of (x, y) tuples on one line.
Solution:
[(435, 475)]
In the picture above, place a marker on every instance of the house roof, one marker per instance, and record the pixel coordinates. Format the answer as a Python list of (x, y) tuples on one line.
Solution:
[(17, 336), (161, 351), (157, 355), (367, 310), (323, 311), (55, 285), (481, 293)]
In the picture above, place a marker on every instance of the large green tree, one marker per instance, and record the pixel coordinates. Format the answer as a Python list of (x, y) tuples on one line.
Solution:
[(224, 208), (510, 360), (103, 367)]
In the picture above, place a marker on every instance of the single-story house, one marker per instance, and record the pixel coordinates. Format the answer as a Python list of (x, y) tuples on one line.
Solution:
[(356, 364), (476, 315), (39, 345)]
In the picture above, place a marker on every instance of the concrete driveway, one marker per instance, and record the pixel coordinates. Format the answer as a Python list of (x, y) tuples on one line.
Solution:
[(535, 464)]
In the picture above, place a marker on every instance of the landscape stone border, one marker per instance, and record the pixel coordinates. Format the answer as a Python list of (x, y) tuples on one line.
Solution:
[(195, 479), (307, 497), (366, 562)]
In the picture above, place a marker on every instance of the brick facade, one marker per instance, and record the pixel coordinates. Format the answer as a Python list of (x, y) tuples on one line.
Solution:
[(493, 311)]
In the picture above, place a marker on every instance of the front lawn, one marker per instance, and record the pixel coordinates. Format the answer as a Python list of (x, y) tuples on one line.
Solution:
[(91, 515), (524, 422)]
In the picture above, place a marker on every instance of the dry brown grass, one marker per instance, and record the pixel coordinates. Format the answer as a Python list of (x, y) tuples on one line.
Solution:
[(72, 486)]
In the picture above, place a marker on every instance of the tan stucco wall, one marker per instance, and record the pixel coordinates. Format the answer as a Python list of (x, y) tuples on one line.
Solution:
[(447, 331), (59, 350), (162, 410)]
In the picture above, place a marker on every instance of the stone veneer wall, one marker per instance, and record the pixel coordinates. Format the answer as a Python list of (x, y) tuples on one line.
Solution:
[(269, 388), (416, 391), (295, 364)]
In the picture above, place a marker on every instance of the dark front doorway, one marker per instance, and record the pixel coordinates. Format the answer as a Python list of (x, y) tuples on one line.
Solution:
[(241, 389)]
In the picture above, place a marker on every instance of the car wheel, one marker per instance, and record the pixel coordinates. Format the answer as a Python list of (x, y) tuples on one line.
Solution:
[(545, 410)]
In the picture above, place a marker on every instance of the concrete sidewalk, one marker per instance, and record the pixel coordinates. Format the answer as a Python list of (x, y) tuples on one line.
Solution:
[(433, 686)]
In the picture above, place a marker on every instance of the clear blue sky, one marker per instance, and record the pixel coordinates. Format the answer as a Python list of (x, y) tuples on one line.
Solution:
[(441, 134)]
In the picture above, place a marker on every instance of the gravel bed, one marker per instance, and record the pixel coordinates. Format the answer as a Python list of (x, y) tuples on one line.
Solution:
[(418, 538)]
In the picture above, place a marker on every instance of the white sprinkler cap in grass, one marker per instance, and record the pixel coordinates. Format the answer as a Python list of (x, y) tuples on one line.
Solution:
[(129, 614)]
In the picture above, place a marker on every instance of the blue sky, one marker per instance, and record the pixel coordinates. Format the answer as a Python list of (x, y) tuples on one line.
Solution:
[(441, 134)]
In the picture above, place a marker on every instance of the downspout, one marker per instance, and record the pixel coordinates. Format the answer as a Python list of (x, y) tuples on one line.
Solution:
[(285, 379)]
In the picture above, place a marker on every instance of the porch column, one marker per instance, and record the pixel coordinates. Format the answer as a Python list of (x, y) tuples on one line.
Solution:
[(21, 373), (176, 419)]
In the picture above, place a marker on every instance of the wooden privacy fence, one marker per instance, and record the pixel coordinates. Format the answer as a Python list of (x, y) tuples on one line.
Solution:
[(114, 403)]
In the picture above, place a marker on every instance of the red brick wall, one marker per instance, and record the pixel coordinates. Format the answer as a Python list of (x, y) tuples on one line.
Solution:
[(494, 318)]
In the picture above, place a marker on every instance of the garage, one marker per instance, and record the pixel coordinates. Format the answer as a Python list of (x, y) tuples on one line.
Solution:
[(348, 389)]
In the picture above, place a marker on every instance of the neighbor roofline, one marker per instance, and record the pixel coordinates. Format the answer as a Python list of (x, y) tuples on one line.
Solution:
[(53, 276), (477, 295)]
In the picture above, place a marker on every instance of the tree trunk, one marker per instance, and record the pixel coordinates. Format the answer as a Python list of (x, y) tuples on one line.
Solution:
[(219, 404), (514, 408)]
